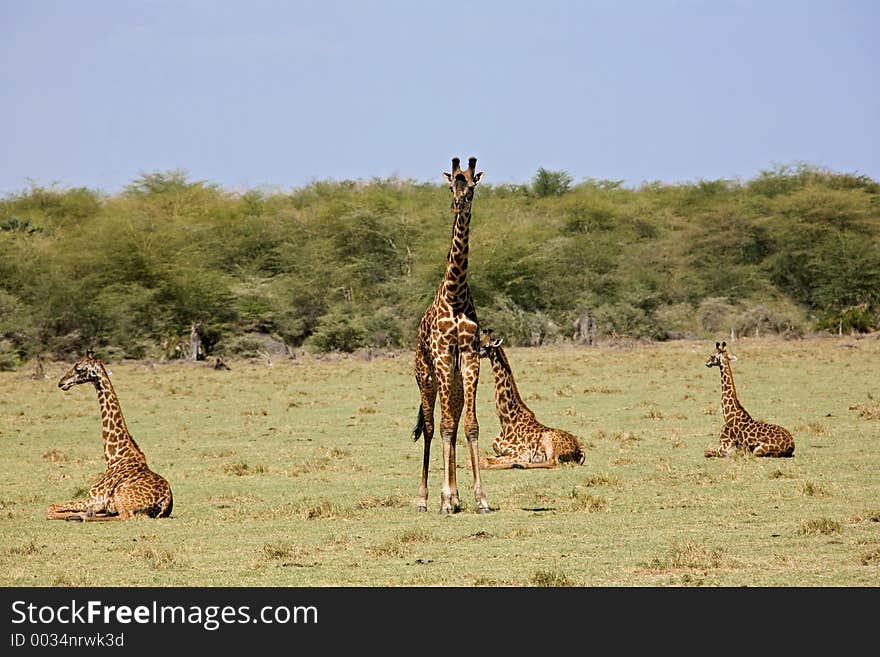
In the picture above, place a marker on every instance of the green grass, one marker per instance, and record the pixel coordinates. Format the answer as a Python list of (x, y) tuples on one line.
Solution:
[(302, 473)]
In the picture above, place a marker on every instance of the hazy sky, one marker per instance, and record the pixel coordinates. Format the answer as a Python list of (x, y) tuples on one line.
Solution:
[(277, 94)]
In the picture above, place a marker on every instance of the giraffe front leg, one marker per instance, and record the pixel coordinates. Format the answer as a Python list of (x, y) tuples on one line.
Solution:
[(726, 445), (505, 462), (449, 502), (450, 410), (68, 511)]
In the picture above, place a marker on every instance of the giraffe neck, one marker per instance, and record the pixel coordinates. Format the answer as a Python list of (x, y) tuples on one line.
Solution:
[(455, 288), (510, 406), (733, 410), (118, 443)]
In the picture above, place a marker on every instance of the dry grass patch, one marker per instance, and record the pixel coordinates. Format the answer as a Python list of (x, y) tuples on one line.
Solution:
[(533, 498), (780, 474), (242, 468), (580, 501), (812, 490), (524, 531), (400, 545), (687, 556), (319, 462), (549, 578), (396, 500), (873, 516), (869, 411), (479, 535), (282, 551), (821, 526), (24, 550), (620, 436), (156, 558), (320, 509), (870, 558), (55, 456), (309, 509), (600, 479)]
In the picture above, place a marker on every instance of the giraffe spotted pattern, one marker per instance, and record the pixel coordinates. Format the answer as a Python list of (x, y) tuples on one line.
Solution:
[(128, 487), (523, 441), (447, 362), (740, 430)]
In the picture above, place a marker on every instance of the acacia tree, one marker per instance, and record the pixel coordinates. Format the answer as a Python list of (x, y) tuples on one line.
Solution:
[(550, 183)]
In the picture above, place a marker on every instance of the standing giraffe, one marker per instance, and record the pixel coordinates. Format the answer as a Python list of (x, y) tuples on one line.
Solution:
[(447, 355), (740, 430), (523, 441), (128, 487)]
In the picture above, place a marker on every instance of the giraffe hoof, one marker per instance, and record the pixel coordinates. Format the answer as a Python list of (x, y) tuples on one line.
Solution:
[(484, 509), (74, 518), (422, 509)]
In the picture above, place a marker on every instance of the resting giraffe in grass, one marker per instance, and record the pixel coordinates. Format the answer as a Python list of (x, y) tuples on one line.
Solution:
[(129, 487), (523, 442), (740, 430), (447, 362)]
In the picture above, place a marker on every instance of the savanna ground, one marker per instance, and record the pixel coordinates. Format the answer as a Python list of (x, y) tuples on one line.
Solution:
[(302, 473)]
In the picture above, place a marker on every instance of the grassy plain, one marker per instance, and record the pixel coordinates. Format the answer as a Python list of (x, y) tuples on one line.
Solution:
[(302, 473)]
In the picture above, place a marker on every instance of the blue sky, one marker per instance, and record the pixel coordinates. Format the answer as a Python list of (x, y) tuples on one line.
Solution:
[(264, 94)]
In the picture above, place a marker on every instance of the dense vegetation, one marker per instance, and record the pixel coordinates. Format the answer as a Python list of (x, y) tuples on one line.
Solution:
[(345, 265)]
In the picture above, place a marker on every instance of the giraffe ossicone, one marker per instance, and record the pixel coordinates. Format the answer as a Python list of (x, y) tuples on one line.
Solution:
[(447, 361), (128, 488), (740, 430), (523, 441)]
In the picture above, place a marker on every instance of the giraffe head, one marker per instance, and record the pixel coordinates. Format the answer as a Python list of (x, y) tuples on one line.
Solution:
[(488, 343), (717, 358), (87, 370), (462, 183)]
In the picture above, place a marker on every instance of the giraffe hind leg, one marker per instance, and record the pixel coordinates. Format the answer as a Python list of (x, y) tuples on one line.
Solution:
[(427, 384), (765, 449)]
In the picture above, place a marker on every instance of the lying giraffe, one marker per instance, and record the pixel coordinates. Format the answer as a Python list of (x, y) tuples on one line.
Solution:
[(740, 430), (523, 442), (129, 487)]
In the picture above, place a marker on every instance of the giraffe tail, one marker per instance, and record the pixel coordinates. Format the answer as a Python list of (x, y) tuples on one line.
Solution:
[(419, 429)]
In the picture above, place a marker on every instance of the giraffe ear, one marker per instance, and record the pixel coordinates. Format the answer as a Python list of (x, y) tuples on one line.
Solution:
[(477, 176), (496, 342), (723, 345), (718, 345), (448, 177)]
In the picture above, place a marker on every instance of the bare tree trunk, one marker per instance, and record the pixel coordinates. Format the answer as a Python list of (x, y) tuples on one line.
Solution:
[(585, 330), (195, 342)]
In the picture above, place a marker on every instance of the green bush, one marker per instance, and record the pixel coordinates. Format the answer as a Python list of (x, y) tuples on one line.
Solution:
[(352, 264)]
